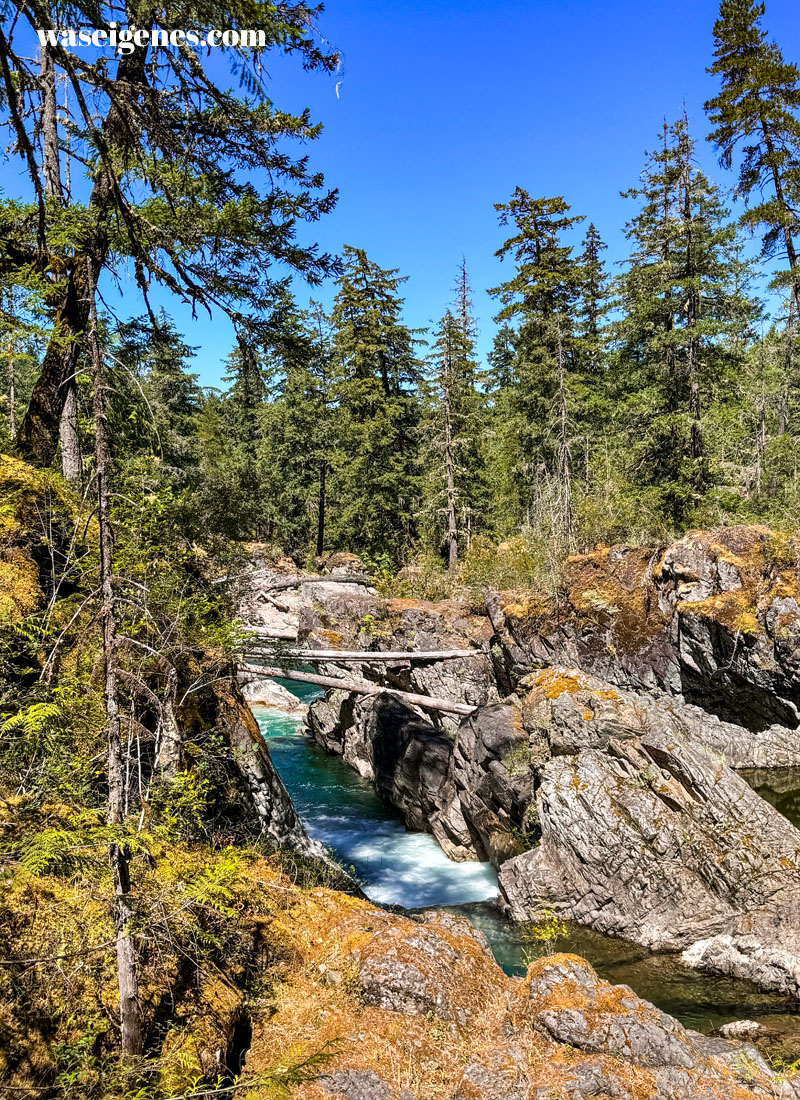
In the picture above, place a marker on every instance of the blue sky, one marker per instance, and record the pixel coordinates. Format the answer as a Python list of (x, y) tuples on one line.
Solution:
[(445, 107)]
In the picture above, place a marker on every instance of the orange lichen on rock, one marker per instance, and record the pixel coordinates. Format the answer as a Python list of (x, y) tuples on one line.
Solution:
[(732, 610), (555, 682)]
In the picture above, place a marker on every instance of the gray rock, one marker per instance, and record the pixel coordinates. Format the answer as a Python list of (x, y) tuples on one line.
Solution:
[(361, 1084), (569, 1003), (488, 791), (456, 924), (713, 620), (498, 1081), (269, 800), (741, 1029), (392, 978), (658, 841)]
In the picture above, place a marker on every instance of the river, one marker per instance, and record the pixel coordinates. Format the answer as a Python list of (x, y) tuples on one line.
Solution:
[(397, 867)]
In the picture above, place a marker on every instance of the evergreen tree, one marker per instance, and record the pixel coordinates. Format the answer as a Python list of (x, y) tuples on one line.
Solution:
[(189, 184), (536, 410), (594, 302), (377, 375), (456, 492), (757, 109), (682, 300), (234, 493), (299, 441), (157, 360)]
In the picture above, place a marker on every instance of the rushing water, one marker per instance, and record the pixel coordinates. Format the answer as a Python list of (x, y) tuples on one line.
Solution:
[(396, 867), (339, 808)]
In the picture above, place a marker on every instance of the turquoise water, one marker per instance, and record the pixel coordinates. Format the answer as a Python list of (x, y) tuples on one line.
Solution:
[(397, 867), (392, 865)]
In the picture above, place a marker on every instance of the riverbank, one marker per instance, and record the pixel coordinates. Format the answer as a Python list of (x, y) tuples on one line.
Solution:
[(399, 868)]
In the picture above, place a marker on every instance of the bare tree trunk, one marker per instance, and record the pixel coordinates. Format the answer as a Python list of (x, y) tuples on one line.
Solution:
[(452, 527), (761, 443), (564, 452), (129, 1007), (71, 464), (37, 438), (321, 509), (51, 167), (692, 317), (785, 208), (12, 397), (788, 370)]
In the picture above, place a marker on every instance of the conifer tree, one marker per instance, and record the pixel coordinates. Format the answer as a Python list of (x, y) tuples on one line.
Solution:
[(594, 302), (188, 182), (377, 374), (758, 110), (299, 441), (455, 492), (536, 410), (682, 300), (157, 359), (231, 432)]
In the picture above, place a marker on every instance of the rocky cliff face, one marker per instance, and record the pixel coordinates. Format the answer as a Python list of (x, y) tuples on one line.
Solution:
[(457, 788), (646, 834), (596, 771), (713, 619)]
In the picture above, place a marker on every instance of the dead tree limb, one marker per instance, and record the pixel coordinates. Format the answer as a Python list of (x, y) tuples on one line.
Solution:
[(427, 702)]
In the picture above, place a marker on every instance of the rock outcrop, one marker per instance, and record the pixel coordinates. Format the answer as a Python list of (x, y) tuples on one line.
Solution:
[(646, 834), (610, 808), (269, 800), (596, 772), (422, 1011), (713, 619)]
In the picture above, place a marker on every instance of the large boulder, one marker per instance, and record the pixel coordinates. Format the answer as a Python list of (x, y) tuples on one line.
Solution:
[(568, 1002), (646, 834)]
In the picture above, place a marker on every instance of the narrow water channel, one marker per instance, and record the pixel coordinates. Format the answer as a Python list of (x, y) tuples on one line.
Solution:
[(396, 867)]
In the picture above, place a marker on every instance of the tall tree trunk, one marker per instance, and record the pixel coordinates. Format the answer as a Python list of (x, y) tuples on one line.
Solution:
[(51, 165), (564, 452), (692, 318), (38, 435), (50, 156), (12, 395), (127, 980), (449, 460), (788, 370), (788, 240), (321, 509), (761, 444), (71, 464)]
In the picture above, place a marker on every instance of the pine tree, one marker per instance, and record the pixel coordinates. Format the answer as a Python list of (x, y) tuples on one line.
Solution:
[(299, 440), (456, 491), (594, 302), (157, 359), (377, 375), (231, 432), (757, 109), (682, 300), (189, 183), (535, 411)]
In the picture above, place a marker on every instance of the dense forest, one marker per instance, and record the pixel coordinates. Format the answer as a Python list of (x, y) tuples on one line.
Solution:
[(615, 406), (612, 406)]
